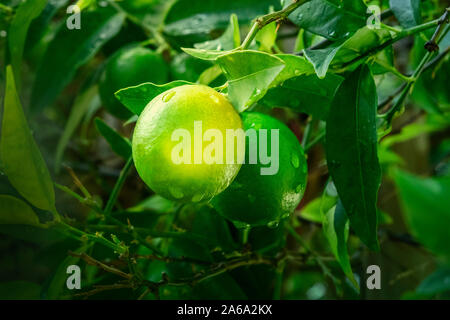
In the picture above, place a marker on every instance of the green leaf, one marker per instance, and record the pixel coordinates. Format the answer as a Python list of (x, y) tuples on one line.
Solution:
[(27, 12), (230, 39), (119, 144), (19, 290), (351, 152), (20, 156), (331, 19), (426, 204), (336, 230), (437, 282), (193, 21), (15, 211), (340, 52), (414, 130), (81, 105), (250, 74), (321, 58), (71, 49), (205, 54), (136, 98), (295, 66), (315, 209), (306, 93), (407, 12), (266, 37)]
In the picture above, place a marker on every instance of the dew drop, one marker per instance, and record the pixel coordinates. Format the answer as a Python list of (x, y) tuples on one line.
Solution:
[(273, 224), (197, 198), (332, 33), (285, 216), (297, 72), (176, 192), (295, 161), (3, 33), (168, 96), (215, 98)]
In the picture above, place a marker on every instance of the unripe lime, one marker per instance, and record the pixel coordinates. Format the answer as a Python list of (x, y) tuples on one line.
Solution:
[(176, 118), (129, 67), (257, 199)]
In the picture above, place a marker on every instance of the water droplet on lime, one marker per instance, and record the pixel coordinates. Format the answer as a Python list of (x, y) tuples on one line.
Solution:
[(295, 160), (197, 198), (168, 96), (176, 193)]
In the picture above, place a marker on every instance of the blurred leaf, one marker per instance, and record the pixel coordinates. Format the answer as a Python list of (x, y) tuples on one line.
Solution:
[(332, 19), (407, 12), (71, 49), (19, 290), (209, 75), (351, 152), (136, 98), (156, 203), (81, 105), (27, 12), (336, 230), (306, 93), (414, 130), (186, 67), (193, 21), (437, 282), (20, 156), (426, 204), (150, 12), (57, 285), (230, 39), (388, 157), (118, 144), (249, 74), (15, 211)]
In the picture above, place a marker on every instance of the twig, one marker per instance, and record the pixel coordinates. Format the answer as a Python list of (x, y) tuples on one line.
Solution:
[(93, 262)]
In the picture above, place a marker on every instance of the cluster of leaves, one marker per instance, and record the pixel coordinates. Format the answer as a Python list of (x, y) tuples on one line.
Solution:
[(330, 84)]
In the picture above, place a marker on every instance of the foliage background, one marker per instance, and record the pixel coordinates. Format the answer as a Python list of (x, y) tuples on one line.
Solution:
[(55, 73)]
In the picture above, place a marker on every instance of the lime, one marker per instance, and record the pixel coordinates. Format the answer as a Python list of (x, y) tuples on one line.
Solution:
[(129, 67), (264, 199), (179, 146)]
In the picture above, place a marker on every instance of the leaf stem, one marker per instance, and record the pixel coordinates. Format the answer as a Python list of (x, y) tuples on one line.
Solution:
[(118, 186)]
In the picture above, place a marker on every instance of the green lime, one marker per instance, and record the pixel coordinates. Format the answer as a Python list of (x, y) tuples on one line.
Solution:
[(129, 67), (178, 143), (258, 197)]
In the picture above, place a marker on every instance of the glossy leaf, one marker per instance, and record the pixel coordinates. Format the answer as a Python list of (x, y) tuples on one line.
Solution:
[(25, 14), (336, 231), (426, 205), (192, 21), (314, 211), (331, 19), (306, 93), (342, 52), (230, 39), (118, 144), (81, 105), (250, 74), (71, 49), (136, 98), (205, 54), (351, 152), (15, 211), (407, 12), (295, 66), (20, 156)]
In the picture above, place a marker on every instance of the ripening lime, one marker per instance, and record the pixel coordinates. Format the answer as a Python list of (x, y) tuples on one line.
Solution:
[(256, 199), (177, 146), (129, 67)]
